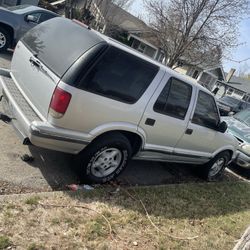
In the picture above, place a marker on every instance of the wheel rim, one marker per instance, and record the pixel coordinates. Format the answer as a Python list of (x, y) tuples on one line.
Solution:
[(217, 166), (106, 162), (2, 40)]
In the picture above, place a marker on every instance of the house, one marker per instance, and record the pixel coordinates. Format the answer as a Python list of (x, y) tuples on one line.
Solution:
[(109, 16), (237, 87), (207, 77), (116, 22)]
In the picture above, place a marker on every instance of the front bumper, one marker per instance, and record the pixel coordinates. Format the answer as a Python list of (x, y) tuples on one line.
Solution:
[(29, 126), (242, 160)]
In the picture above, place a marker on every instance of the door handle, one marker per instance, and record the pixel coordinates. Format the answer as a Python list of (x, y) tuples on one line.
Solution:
[(35, 62), (150, 122), (189, 131)]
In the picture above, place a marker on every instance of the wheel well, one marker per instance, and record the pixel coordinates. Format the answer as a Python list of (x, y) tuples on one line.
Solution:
[(229, 151), (10, 30), (134, 139)]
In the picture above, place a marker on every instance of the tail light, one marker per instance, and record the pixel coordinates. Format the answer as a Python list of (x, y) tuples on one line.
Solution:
[(59, 103)]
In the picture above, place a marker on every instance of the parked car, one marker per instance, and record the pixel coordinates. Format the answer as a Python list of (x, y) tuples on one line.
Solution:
[(239, 126), (106, 103), (16, 21), (229, 104)]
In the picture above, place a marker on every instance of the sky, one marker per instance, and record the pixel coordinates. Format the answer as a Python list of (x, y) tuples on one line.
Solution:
[(241, 53)]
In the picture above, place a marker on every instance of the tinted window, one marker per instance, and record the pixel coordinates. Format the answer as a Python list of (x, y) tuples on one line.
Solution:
[(174, 99), (45, 17), (119, 75), (206, 113), (59, 42)]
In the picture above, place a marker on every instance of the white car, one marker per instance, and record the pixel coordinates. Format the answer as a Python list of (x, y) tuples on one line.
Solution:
[(74, 90)]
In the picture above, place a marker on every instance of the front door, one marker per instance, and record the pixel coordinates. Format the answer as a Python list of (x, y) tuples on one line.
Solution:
[(166, 117), (203, 137)]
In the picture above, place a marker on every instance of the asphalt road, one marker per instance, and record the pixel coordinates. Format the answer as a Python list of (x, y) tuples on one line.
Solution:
[(53, 170)]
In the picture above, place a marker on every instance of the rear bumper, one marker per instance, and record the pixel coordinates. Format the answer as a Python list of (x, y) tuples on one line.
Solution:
[(242, 160), (28, 125)]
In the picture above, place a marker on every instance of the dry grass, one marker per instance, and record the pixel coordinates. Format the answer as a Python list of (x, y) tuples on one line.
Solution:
[(218, 213)]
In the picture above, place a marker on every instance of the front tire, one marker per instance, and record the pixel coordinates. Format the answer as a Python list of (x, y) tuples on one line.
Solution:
[(214, 168), (104, 159), (4, 40)]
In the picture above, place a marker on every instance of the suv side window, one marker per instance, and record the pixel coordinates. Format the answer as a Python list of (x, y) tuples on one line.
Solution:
[(45, 17), (206, 113), (174, 99), (37, 15), (119, 75)]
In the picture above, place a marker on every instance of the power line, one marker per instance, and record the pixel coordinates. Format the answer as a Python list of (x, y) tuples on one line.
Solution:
[(244, 60)]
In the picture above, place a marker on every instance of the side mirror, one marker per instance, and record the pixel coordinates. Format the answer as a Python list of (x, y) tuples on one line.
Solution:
[(222, 127), (231, 113), (31, 18)]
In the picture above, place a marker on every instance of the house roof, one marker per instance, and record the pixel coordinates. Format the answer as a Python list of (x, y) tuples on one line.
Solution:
[(217, 71), (117, 15), (240, 84), (122, 18)]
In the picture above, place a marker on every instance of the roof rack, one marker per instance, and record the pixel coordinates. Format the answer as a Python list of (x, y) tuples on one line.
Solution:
[(81, 23)]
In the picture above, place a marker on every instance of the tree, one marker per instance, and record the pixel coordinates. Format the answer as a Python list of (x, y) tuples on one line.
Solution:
[(196, 31), (110, 10)]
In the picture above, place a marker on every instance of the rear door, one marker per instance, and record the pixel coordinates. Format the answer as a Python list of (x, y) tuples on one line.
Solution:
[(43, 56), (166, 117), (35, 79)]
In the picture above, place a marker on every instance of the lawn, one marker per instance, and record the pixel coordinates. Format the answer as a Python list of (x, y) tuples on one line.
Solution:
[(184, 216)]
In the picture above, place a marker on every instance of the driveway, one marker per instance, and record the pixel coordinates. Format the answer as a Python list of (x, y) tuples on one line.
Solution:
[(53, 170)]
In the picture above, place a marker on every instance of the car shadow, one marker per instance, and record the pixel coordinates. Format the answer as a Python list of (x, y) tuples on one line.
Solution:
[(58, 170), (56, 167), (7, 55)]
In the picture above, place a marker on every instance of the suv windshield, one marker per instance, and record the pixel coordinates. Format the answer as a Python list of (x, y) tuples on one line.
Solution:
[(230, 100), (243, 116)]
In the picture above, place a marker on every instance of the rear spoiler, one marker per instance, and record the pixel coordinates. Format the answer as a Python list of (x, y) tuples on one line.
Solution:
[(5, 72)]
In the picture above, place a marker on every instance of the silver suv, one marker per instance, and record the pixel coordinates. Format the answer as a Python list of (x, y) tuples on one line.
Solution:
[(74, 90)]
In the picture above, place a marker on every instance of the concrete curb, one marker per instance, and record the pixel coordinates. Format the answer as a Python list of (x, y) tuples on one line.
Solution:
[(4, 72), (14, 197), (244, 242)]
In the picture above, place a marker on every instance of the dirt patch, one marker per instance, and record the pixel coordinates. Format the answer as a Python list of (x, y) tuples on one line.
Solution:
[(10, 188)]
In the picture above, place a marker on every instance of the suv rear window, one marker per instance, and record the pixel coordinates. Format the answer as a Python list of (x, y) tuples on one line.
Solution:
[(59, 42), (119, 75)]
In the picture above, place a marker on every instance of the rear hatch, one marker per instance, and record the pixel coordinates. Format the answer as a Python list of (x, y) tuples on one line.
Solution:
[(44, 55)]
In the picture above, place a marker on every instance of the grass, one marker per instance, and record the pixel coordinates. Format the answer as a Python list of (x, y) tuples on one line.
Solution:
[(4, 242), (34, 200), (217, 213), (34, 246)]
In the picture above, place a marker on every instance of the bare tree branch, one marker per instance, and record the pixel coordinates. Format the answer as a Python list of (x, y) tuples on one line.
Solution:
[(198, 31)]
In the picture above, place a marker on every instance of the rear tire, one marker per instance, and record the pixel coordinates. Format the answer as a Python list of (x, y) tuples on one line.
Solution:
[(5, 40), (104, 159), (212, 170)]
